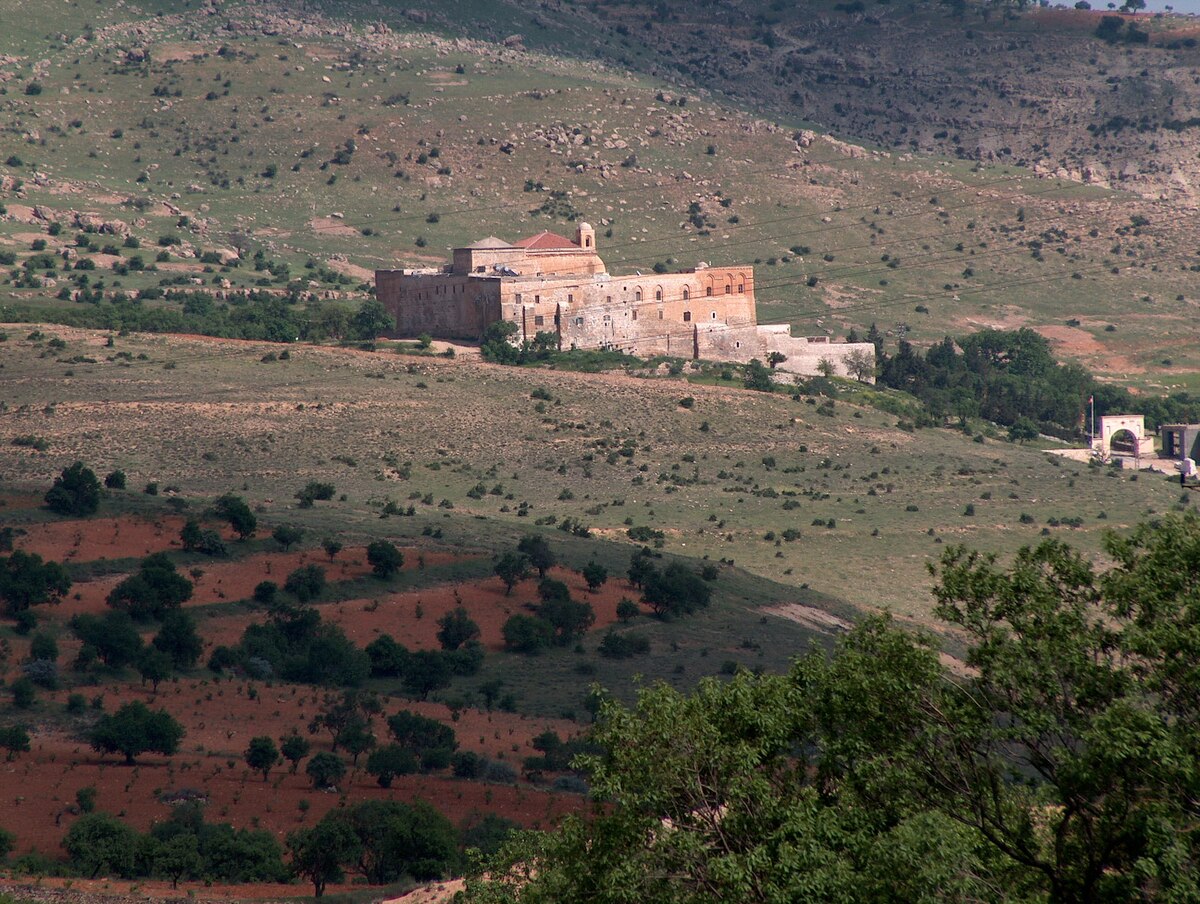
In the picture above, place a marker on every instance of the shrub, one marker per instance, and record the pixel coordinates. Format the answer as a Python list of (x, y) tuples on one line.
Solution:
[(115, 480)]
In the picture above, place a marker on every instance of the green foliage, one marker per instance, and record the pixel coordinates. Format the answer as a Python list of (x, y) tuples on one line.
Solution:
[(511, 568), (390, 760), (319, 853), (1000, 375), (306, 582), (757, 377), (622, 646), (325, 769), (372, 320), (595, 574), (537, 551), (154, 666), (100, 843), (26, 580), (14, 739), (156, 589), (135, 729), (235, 510), (296, 645), (1054, 768), (261, 755), (397, 840), (430, 740), (111, 637), (178, 639), (674, 591), (385, 559), (456, 628), (75, 492), (286, 535), (115, 480), (294, 748), (527, 634)]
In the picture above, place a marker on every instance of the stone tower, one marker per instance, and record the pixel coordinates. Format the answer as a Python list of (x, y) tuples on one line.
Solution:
[(585, 237)]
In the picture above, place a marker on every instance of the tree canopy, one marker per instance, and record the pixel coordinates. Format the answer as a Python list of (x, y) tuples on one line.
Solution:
[(26, 580), (76, 491), (1057, 764), (134, 729)]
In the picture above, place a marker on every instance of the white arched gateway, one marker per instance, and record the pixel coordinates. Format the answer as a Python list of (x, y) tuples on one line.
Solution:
[(1123, 434)]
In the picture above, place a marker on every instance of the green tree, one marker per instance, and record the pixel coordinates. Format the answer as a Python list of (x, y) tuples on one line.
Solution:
[(14, 739), (191, 535), (536, 549), (261, 755), (26, 580), (325, 769), (332, 547), (154, 666), (286, 535), (294, 748), (135, 729), (235, 510), (427, 671), (1023, 430), (319, 853), (43, 646), (385, 559), (758, 377), (774, 359), (431, 741), (527, 633), (398, 840), (177, 638), (178, 857), (390, 760), (24, 693), (675, 590), (306, 582), (7, 842), (156, 589), (511, 568), (595, 575), (456, 628), (112, 637), (115, 480), (356, 738), (100, 843), (76, 491), (569, 618), (372, 319)]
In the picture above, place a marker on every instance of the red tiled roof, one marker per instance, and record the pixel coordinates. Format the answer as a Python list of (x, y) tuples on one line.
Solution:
[(544, 241)]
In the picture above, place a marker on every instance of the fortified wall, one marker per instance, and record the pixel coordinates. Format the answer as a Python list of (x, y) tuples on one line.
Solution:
[(547, 283)]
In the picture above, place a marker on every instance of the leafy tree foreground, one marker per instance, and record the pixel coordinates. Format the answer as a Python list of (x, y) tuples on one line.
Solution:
[(1059, 765)]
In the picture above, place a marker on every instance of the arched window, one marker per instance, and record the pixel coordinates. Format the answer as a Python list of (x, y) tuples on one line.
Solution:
[(708, 291), (728, 289), (687, 293), (741, 288), (637, 294), (714, 315), (658, 293), (687, 316)]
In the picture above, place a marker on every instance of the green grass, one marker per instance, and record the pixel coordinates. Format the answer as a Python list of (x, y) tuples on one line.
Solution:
[(278, 107)]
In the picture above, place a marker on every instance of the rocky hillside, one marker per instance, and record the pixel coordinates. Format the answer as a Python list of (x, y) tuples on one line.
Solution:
[(1059, 90)]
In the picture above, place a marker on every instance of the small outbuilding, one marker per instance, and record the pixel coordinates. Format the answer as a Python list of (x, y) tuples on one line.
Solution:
[(1180, 441)]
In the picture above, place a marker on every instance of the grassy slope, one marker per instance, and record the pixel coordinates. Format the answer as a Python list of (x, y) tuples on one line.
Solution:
[(850, 209), (221, 420)]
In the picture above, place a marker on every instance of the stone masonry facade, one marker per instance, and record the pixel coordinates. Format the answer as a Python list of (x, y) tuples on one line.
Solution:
[(550, 284)]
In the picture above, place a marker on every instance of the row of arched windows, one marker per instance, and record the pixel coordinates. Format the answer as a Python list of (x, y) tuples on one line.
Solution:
[(710, 291)]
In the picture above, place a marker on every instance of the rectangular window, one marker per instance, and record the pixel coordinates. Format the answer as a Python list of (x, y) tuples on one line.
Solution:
[(570, 298), (579, 321), (517, 298), (635, 313), (539, 320)]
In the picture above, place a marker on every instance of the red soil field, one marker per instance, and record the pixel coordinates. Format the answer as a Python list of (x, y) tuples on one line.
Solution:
[(396, 613), (101, 538), (220, 718)]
